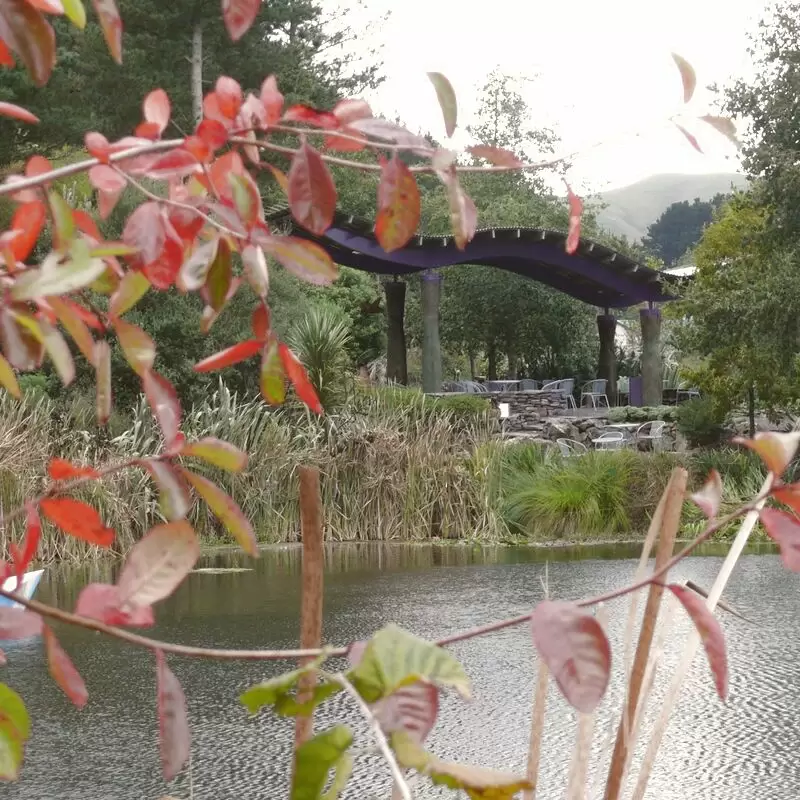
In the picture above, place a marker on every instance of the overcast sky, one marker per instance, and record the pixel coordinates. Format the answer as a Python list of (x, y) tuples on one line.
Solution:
[(604, 68)]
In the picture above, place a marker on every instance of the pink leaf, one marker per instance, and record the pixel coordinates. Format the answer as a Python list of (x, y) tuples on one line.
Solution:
[(710, 633), (688, 77), (575, 648), (101, 601), (163, 400), (239, 15), (272, 100), (495, 155), (575, 212), (690, 137), (17, 112), (173, 722), (784, 528), (157, 109), (349, 110), (18, 623), (412, 709), (63, 671), (157, 564), (708, 499)]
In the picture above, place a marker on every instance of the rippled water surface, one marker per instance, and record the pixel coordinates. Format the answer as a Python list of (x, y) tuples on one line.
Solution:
[(745, 749)]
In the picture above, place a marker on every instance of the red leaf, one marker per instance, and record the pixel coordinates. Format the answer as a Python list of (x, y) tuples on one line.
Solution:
[(260, 322), (173, 723), (776, 450), (101, 601), (688, 77), (145, 231), (6, 58), (33, 532), (147, 130), (238, 16), (77, 519), (213, 133), (178, 163), (312, 194), (575, 648), (229, 96), (231, 355), (17, 112), (495, 155), (690, 137), (218, 175), (307, 260), (272, 100), (575, 212), (784, 528), (198, 148), (157, 564), (86, 224), (157, 109), (296, 374), (30, 36), (412, 709), (163, 400), (311, 116), (398, 205), (63, 671), (163, 272), (60, 470), (710, 633), (111, 23), (98, 146), (28, 219), (106, 179), (18, 623), (708, 499), (788, 494)]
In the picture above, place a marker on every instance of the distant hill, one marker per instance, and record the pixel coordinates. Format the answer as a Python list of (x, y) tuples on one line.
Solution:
[(630, 210)]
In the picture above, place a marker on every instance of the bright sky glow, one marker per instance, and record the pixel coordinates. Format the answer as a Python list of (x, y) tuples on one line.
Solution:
[(604, 72)]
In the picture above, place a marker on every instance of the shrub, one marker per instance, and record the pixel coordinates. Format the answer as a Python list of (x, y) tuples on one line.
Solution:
[(700, 422)]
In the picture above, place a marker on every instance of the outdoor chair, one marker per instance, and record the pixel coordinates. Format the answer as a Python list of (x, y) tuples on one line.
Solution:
[(473, 387), (595, 390), (528, 385), (686, 394), (612, 440), (651, 432), (570, 448), (494, 386), (453, 386), (565, 387)]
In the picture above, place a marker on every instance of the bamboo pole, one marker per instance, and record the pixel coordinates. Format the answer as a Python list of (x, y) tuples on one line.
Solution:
[(675, 492), (312, 582)]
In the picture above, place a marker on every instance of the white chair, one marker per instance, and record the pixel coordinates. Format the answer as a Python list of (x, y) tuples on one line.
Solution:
[(612, 440), (528, 385), (569, 448), (564, 387), (595, 390), (651, 432)]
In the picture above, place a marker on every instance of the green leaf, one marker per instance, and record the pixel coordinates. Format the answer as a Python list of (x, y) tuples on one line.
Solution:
[(13, 711), (344, 769), (315, 759), (273, 380), (132, 288), (174, 499), (63, 221), (226, 510), (394, 658), (138, 347), (107, 249), (11, 752), (8, 378), (217, 453), (279, 693), (75, 12), (54, 278), (447, 100), (479, 783)]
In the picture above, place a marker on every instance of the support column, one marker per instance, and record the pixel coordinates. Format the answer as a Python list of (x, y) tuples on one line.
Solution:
[(431, 346), (396, 366), (650, 319), (607, 358)]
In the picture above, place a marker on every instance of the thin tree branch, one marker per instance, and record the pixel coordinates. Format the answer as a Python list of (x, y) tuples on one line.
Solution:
[(377, 732)]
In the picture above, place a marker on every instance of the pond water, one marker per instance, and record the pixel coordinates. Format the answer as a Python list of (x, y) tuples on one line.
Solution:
[(745, 749)]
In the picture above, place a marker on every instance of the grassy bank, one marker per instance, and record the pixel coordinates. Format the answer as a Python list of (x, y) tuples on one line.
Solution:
[(395, 466)]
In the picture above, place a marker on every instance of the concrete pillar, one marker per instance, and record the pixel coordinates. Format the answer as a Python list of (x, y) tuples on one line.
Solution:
[(396, 365), (607, 358), (650, 319), (431, 346)]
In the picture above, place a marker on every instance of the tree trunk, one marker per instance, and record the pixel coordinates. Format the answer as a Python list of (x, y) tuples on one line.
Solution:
[(492, 358), (512, 362), (471, 365), (396, 366), (197, 72)]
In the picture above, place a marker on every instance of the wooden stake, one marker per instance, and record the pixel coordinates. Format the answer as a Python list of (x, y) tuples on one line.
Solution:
[(311, 602), (674, 496)]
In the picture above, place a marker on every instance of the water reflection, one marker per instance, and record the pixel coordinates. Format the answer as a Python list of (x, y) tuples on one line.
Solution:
[(746, 749)]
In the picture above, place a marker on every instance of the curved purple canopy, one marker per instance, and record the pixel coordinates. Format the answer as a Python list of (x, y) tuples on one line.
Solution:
[(595, 274)]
